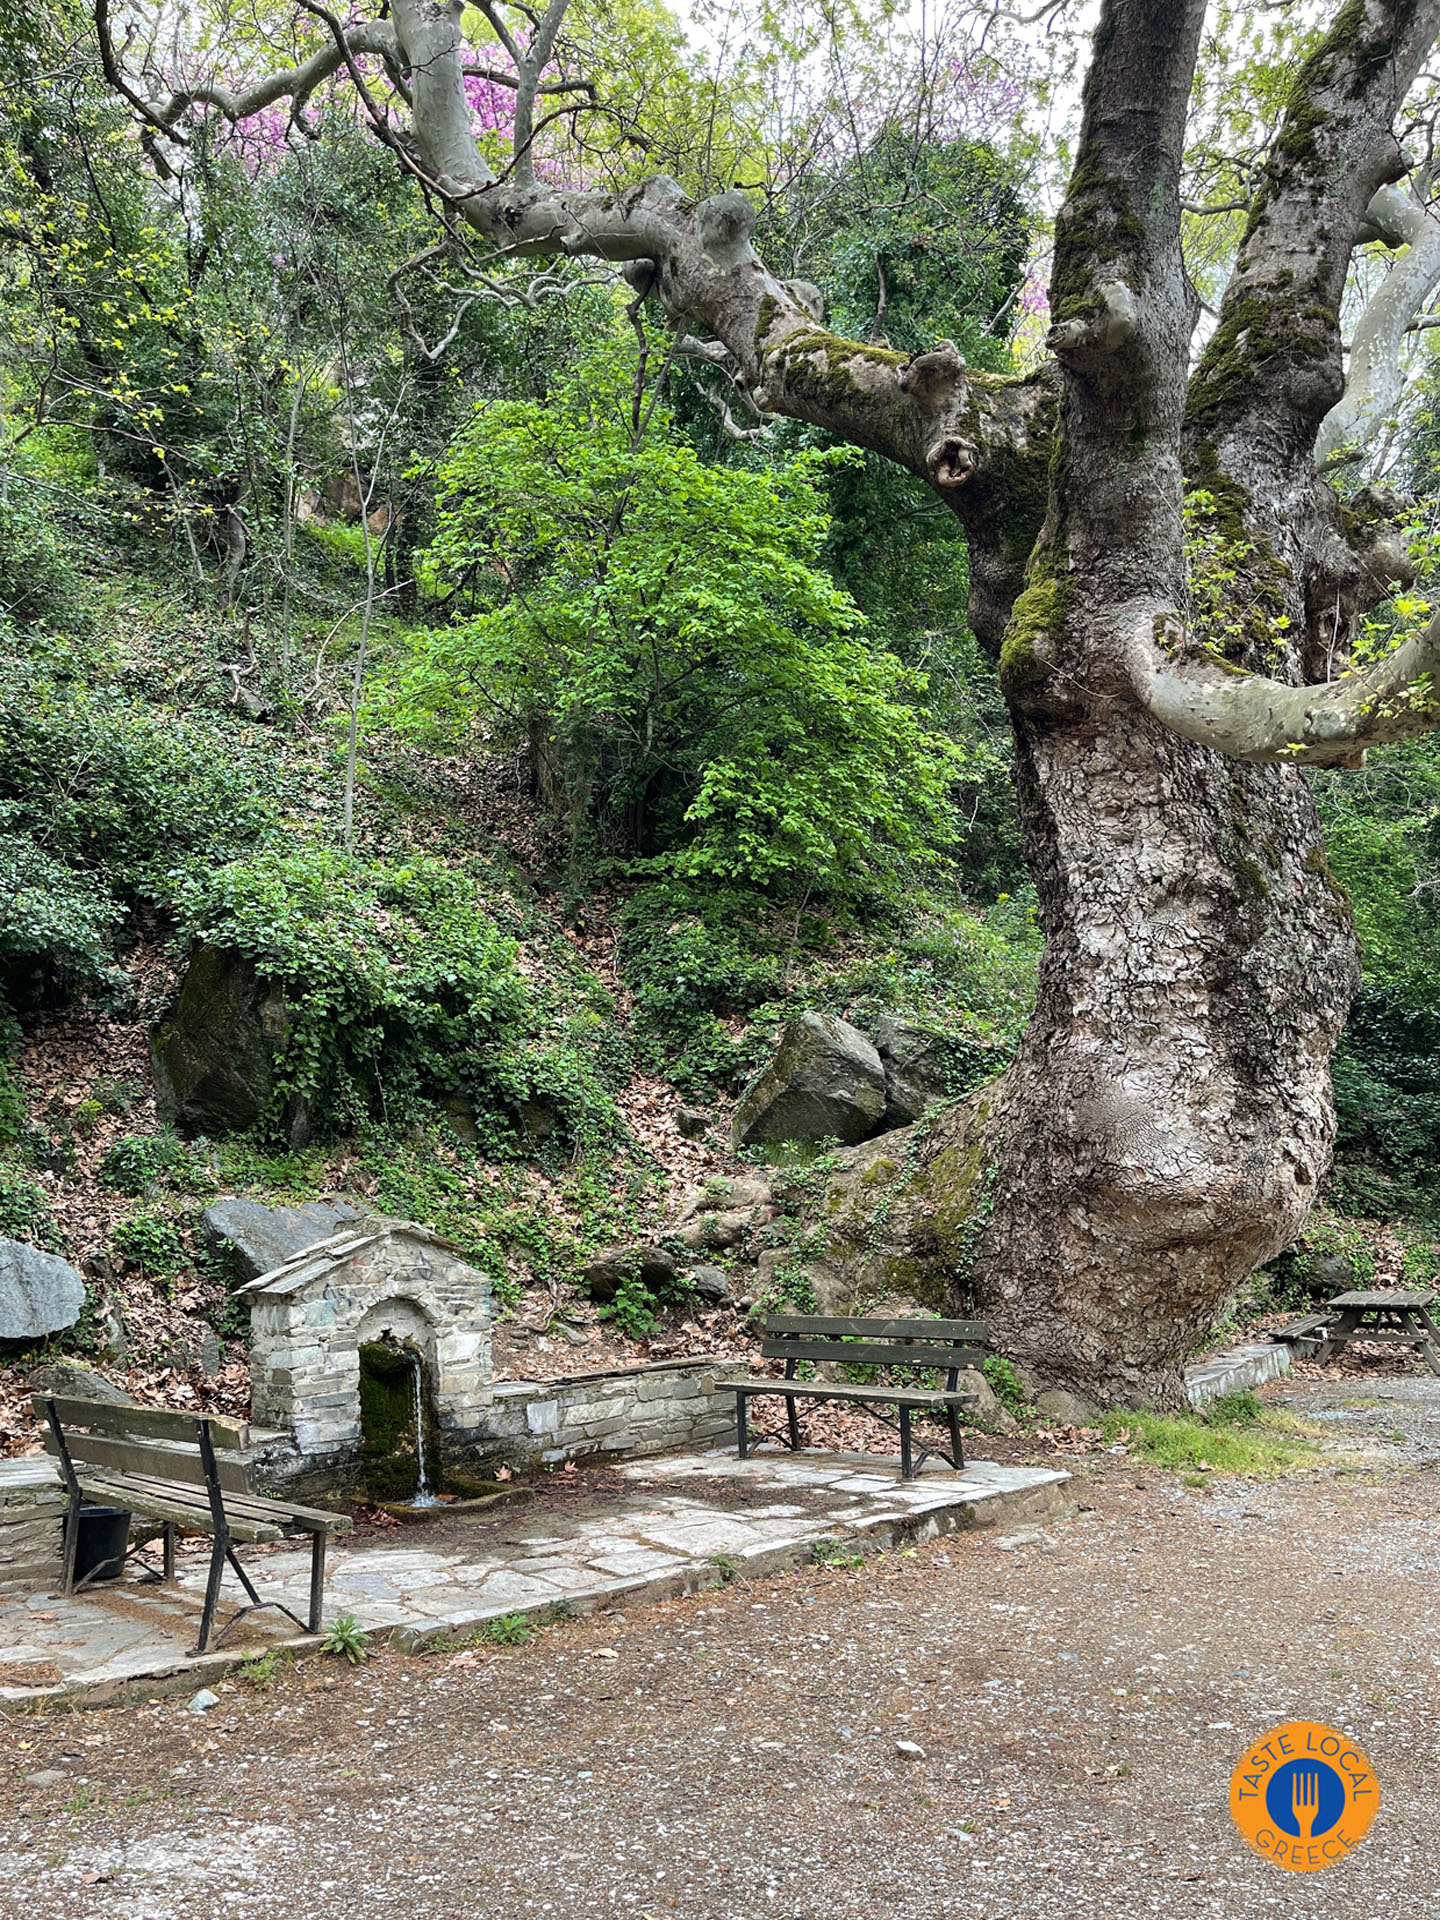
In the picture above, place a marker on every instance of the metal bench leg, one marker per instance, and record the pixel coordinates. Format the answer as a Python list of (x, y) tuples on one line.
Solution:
[(218, 1555), (317, 1578), (793, 1418), (957, 1445), (907, 1470), (740, 1434)]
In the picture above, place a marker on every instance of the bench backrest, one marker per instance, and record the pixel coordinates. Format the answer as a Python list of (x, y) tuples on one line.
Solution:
[(945, 1345), (149, 1440)]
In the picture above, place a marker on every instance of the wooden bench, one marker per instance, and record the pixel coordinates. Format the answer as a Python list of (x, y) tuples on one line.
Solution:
[(939, 1346), (187, 1473), (1390, 1316), (1305, 1335)]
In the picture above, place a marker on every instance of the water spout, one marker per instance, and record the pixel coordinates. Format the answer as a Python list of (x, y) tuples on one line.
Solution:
[(423, 1496)]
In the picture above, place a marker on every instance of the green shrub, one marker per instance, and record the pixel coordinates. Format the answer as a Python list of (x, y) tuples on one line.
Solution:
[(1006, 1384), (633, 1309), (121, 790), (25, 1210), (400, 987), (152, 1245), (137, 1161), (56, 927), (692, 956)]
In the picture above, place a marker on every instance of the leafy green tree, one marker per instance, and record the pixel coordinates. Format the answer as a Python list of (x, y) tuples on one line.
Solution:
[(693, 685)]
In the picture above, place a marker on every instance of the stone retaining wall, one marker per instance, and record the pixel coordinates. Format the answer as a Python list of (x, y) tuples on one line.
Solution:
[(32, 1510), (668, 1405)]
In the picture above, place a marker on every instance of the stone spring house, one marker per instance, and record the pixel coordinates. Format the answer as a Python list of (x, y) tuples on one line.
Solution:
[(310, 1317)]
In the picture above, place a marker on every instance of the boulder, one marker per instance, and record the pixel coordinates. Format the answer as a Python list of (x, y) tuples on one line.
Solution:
[(825, 1082), (1062, 1408), (39, 1292), (914, 1062), (258, 1239), (691, 1122), (712, 1232), (1334, 1272), (215, 1049), (725, 1196), (710, 1283), (73, 1380), (652, 1266)]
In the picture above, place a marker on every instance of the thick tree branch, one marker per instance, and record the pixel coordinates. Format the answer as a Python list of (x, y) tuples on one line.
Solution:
[(1248, 717), (1272, 369)]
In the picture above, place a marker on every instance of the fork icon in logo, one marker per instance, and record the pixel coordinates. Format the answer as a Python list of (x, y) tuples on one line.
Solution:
[(1305, 1801), (1305, 1798)]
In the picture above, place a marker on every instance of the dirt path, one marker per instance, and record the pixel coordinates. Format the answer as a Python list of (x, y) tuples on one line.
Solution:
[(1080, 1701)]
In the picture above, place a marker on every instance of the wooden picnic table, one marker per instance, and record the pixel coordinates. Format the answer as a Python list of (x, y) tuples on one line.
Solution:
[(1389, 1316)]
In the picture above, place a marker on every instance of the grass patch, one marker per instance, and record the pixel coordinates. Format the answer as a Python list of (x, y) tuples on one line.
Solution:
[(1236, 1436)]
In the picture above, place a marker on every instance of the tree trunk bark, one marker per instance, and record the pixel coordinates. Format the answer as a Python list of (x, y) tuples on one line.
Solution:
[(1168, 1117)]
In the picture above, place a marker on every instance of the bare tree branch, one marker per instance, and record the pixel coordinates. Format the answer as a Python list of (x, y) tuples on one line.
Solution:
[(1375, 379)]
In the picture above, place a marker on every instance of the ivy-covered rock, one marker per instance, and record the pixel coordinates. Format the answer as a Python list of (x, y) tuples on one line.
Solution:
[(258, 1239), (39, 1292), (825, 1082), (654, 1268), (215, 1050)]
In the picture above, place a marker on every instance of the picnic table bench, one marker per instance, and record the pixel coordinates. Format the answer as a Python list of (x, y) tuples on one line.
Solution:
[(189, 1474), (1388, 1315), (938, 1346)]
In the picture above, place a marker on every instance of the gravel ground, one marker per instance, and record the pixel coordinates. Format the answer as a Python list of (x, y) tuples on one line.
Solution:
[(1080, 1694)]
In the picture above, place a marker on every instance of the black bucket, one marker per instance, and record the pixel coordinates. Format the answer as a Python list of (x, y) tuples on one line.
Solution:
[(104, 1535)]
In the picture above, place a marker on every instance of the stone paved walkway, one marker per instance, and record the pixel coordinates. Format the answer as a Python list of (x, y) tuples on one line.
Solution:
[(692, 1521)]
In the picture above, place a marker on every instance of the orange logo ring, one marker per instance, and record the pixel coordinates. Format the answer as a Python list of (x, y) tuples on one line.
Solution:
[(1304, 1796)]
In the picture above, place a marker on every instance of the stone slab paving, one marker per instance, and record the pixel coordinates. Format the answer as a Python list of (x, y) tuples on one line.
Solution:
[(694, 1520)]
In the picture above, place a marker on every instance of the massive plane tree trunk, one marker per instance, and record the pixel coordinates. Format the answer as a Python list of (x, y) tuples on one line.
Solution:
[(1168, 1117)]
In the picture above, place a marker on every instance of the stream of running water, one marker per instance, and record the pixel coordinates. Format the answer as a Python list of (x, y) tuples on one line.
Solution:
[(423, 1496)]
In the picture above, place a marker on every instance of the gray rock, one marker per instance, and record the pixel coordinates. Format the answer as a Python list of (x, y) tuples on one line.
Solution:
[(712, 1232), (651, 1265), (990, 1409), (39, 1292), (193, 1344), (47, 1777), (710, 1283), (691, 1122), (215, 1050), (1064, 1408), (259, 1238), (724, 1196), (914, 1062), (1333, 1272), (77, 1382), (826, 1082), (908, 1750), (204, 1700)]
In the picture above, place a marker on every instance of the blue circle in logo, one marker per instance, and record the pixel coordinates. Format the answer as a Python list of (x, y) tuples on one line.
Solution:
[(1313, 1785)]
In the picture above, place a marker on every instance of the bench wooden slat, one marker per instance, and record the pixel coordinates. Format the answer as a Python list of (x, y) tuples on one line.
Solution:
[(255, 1507), (832, 1327), (842, 1390), (160, 1461), (121, 1421), (120, 1491), (861, 1353), (1385, 1297)]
